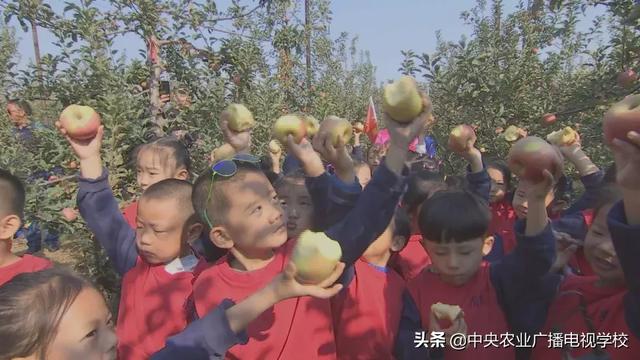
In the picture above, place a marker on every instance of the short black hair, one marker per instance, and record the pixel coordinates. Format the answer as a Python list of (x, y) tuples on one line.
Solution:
[(501, 166), (218, 202), (401, 223), (22, 104), (457, 182), (177, 148), (172, 189), (420, 186), (454, 215), (12, 194)]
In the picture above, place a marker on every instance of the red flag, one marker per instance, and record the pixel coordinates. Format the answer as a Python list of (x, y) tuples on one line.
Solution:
[(371, 123)]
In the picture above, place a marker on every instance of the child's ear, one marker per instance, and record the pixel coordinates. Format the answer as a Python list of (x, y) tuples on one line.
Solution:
[(9, 225), (182, 174), (220, 237), (194, 231), (398, 242), (487, 245)]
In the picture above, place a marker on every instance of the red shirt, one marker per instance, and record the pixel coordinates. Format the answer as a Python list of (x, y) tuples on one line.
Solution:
[(478, 300), (26, 264), (604, 308), (366, 316), (297, 328), (152, 308), (503, 217), (411, 260), (130, 214)]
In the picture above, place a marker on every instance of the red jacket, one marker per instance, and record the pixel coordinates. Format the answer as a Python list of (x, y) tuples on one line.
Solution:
[(411, 260), (26, 264), (131, 214)]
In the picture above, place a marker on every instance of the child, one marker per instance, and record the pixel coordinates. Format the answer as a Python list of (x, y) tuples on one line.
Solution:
[(68, 318), (296, 202), (363, 172), (155, 260), (252, 226), (606, 303), (12, 198), (493, 297), (163, 158)]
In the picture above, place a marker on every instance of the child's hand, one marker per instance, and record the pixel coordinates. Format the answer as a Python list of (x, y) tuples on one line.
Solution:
[(337, 155), (311, 162), (458, 326), (241, 141), (403, 134), (538, 192), (84, 149), (473, 156), (566, 248), (627, 155), (286, 286)]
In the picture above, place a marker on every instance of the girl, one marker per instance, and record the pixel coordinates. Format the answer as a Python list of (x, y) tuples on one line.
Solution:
[(68, 319), (160, 159)]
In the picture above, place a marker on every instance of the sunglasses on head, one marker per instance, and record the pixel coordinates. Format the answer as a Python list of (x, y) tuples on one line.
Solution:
[(226, 169)]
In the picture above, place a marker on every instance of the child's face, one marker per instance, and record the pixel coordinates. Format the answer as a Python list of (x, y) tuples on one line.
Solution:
[(520, 204), (255, 223), (457, 262), (16, 114), (363, 173), (85, 331), (161, 232), (296, 202), (498, 186), (599, 250), (375, 155), (151, 169)]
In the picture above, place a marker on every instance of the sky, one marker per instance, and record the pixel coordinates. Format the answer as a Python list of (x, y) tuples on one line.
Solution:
[(383, 27)]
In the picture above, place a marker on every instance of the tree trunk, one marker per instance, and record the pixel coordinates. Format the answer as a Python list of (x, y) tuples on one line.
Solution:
[(307, 35), (155, 106), (36, 47)]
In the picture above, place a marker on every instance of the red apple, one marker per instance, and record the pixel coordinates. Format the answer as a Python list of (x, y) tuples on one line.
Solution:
[(622, 117), (72, 164), (289, 125), (627, 78), (529, 157), (315, 256), (401, 100), (535, 50), (358, 127), (239, 118), (80, 122), (549, 119), (461, 138), (69, 214), (52, 178)]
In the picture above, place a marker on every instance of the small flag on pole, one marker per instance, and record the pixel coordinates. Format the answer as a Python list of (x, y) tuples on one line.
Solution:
[(371, 124)]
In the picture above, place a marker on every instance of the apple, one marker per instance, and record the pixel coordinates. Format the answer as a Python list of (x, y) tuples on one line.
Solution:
[(401, 100), (564, 137), (358, 127), (52, 178), (461, 138), (446, 312), (69, 214), (549, 119), (222, 152), (622, 117), (339, 129), (72, 164), (535, 50), (627, 78), (529, 157), (274, 147), (512, 133), (80, 122), (239, 117), (315, 256), (311, 123), (289, 125)]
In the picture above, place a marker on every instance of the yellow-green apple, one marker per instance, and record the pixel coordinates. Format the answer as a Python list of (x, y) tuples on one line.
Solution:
[(446, 311), (622, 117), (239, 117), (340, 129), (549, 119), (529, 157), (222, 152), (563, 137), (69, 214), (512, 133), (315, 256), (401, 100), (312, 124), (358, 127), (289, 125), (80, 122), (274, 147), (627, 78), (461, 138)]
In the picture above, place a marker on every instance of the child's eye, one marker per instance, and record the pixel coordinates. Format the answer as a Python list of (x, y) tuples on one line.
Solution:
[(91, 334), (257, 209)]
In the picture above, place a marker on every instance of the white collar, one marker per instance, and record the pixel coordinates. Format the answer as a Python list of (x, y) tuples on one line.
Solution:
[(185, 264)]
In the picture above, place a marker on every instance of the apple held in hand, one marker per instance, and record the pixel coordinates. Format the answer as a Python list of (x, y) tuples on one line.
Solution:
[(311, 123), (69, 214), (564, 137), (446, 312), (315, 256), (358, 127), (529, 157), (401, 100), (240, 118), (549, 119), (461, 138), (622, 117), (222, 152), (340, 130), (627, 78), (80, 122), (274, 147), (289, 125)]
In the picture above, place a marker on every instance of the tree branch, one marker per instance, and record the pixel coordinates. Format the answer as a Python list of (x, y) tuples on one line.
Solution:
[(237, 16)]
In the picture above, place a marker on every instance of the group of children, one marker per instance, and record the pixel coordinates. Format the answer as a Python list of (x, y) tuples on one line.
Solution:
[(207, 273)]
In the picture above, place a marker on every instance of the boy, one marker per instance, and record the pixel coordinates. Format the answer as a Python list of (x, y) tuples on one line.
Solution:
[(494, 297), (155, 260), (252, 226), (12, 198)]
